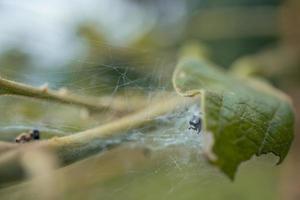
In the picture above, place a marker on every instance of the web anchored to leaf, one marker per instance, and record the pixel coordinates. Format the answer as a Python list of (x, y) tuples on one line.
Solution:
[(244, 116)]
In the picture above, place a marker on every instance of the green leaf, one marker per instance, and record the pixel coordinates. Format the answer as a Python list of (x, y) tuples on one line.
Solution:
[(242, 117)]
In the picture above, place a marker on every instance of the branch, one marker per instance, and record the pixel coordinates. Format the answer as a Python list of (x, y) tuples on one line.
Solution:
[(76, 146), (8, 87), (6, 146), (80, 145)]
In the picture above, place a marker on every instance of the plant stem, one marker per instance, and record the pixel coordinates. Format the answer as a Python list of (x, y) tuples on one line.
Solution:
[(76, 146), (8, 87), (80, 145), (6, 146)]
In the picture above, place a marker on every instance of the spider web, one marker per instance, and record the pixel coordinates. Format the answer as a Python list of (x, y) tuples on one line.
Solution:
[(171, 165), (112, 79)]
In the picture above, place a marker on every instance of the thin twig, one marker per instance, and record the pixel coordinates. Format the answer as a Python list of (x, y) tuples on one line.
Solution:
[(6, 146), (77, 145), (80, 145), (8, 87)]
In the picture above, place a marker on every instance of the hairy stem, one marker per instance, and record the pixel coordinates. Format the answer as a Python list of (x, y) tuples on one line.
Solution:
[(76, 146), (80, 145), (8, 87)]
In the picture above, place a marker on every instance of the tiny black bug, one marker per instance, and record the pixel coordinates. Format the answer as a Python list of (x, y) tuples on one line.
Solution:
[(196, 123), (35, 134)]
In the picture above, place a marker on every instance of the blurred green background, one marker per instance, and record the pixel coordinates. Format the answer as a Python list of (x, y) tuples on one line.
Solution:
[(125, 47)]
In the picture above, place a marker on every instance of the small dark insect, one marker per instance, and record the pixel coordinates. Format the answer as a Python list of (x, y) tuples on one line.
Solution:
[(196, 123), (27, 137)]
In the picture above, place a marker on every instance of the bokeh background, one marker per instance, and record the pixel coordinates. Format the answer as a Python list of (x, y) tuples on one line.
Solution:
[(124, 47)]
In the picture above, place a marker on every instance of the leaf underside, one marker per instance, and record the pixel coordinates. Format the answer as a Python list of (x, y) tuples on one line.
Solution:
[(246, 117)]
